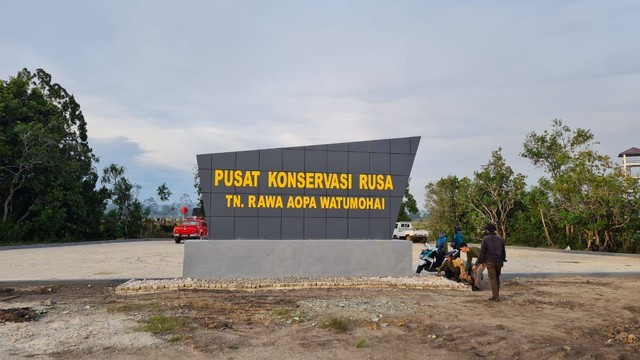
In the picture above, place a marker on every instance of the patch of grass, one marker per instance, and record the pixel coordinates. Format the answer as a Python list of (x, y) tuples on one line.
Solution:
[(179, 338), (362, 343), (282, 312), (289, 315), (134, 307), (232, 347), (162, 324), (337, 324)]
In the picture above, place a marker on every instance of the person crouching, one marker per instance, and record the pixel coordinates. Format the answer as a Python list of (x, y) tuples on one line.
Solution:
[(451, 270)]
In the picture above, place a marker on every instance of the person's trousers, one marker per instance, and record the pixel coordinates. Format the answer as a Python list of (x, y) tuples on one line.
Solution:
[(451, 274), (477, 274), (494, 277)]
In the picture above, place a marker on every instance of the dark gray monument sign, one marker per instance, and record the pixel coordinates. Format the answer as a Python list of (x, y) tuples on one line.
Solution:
[(334, 191), (287, 212)]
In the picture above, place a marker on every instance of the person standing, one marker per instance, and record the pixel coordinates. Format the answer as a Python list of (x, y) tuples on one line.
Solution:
[(441, 242), (477, 270), (451, 271), (493, 255), (457, 238)]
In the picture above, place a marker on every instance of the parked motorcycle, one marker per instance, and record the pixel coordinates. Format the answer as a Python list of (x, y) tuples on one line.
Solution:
[(430, 259)]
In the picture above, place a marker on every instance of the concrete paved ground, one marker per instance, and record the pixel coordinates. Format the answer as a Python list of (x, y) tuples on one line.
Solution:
[(162, 258)]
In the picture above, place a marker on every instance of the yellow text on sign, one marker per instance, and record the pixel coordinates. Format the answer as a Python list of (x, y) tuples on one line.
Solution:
[(275, 201), (236, 178), (375, 182), (309, 180), (302, 180), (306, 202)]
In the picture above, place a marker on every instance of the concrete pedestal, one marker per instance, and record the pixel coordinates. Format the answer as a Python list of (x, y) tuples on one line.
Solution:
[(237, 259)]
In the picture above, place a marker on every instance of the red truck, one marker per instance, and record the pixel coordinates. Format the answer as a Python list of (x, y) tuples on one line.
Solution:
[(190, 228)]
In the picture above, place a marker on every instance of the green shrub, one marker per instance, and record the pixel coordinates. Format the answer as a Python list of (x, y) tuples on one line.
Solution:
[(337, 324), (162, 324)]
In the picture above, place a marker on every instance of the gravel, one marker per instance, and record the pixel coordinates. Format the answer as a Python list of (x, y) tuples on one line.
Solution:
[(426, 281)]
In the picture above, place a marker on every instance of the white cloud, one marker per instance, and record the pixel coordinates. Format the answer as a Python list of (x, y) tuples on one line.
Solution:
[(159, 84)]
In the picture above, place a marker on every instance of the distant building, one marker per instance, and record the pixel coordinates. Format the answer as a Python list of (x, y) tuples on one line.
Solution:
[(197, 212), (631, 161)]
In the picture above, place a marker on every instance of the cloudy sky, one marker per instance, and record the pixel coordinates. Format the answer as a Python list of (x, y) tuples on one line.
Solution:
[(162, 81)]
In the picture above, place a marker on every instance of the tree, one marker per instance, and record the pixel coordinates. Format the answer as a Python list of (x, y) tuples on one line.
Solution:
[(589, 198), (528, 225), (447, 205), (198, 188), (151, 205), (163, 192), (495, 191), (119, 187), (553, 151), (121, 192), (408, 206), (47, 179), (599, 202)]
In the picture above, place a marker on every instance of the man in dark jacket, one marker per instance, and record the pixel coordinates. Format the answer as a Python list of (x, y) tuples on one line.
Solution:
[(493, 255)]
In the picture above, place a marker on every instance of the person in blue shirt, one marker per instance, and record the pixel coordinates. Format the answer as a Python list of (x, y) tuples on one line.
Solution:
[(441, 242), (457, 238)]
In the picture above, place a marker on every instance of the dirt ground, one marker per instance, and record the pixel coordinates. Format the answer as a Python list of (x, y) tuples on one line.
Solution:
[(555, 305), (557, 317)]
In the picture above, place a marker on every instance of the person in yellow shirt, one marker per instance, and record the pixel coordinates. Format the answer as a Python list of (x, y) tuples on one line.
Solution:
[(451, 271), (475, 269), (464, 275)]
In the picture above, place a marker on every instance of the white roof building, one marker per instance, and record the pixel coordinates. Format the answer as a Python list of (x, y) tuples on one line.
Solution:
[(631, 161)]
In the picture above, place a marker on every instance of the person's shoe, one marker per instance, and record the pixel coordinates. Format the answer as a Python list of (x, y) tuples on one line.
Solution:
[(494, 299), (474, 288)]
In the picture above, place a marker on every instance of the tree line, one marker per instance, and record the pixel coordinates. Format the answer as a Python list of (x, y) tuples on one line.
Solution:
[(584, 200), (51, 190)]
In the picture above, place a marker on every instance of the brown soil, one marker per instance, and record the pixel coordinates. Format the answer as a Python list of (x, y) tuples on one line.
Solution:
[(570, 317)]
